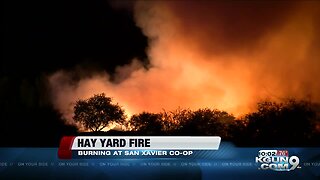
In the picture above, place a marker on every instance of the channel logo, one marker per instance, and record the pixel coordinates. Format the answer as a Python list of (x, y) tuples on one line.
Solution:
[(277, 160)]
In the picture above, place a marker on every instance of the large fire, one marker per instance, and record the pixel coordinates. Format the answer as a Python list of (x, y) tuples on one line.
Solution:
[(211, 54)]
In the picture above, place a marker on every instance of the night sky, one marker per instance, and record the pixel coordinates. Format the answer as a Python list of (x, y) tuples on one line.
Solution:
[(151, 56), (41, 37)]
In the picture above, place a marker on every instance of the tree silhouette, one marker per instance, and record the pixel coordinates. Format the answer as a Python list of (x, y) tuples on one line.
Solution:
[(208, 122), (173, 121), (147, 123), (97, 112), (290, 123)]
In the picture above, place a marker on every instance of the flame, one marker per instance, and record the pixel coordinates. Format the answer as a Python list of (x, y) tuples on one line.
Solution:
[(197, 61)]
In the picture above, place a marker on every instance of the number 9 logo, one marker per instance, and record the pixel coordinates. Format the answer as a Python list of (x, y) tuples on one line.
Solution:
[(294, 162)]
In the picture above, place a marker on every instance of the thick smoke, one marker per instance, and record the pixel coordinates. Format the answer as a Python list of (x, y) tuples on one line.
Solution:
[(225, 55)]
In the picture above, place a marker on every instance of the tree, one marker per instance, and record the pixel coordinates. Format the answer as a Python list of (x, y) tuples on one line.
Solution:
[(289, 123), (97, 112), (173, 121), (147, 123), (208, 122)]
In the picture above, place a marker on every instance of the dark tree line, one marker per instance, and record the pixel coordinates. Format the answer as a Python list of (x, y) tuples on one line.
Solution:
[(288, 123), (188, 123)]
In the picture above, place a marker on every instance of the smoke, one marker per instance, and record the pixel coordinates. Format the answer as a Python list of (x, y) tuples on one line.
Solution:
[(225, 55)]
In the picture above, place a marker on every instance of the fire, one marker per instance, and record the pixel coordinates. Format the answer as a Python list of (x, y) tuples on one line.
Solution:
[(197, 60)]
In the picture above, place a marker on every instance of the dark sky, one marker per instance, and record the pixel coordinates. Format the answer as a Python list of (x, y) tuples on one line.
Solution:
[(42, 37), (218, 54)]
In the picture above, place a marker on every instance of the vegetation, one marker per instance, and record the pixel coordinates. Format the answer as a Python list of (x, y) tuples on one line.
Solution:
[(98, 112), (288, 123)]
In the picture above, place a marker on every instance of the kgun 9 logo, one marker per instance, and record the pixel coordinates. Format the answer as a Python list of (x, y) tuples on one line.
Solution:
[(277, 160)]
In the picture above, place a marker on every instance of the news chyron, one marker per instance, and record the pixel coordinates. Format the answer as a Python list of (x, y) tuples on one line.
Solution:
[(120, 147)]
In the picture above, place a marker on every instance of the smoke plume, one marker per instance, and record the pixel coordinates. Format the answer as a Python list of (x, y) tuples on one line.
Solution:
[(220, 54)]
